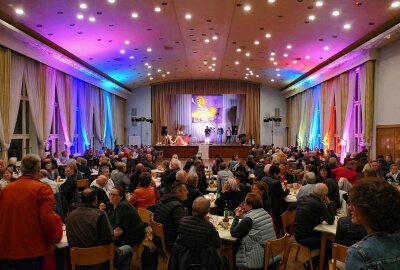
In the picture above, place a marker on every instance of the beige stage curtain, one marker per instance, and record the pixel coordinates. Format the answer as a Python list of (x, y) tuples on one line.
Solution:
[(5, 106), (289, 107), (49, 98), (161, 104), (98, 109), (118, 119), (366, 82)]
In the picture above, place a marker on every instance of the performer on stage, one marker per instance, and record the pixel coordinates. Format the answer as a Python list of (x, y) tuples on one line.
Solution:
[(207, 133), (220, 131), (228, 135)]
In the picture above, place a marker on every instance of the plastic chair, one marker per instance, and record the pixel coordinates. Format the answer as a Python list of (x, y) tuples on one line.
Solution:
[(275, 247), (92, 256), (288, 222), (163, 254), (339, 254)]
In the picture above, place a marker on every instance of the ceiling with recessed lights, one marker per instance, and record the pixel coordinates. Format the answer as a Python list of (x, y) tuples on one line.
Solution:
[(148, 41)]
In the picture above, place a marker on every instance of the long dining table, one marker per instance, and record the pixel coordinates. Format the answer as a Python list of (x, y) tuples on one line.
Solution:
[(328, 232)]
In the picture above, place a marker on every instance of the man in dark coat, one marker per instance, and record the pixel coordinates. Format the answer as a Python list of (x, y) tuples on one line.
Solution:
[(193, 192)]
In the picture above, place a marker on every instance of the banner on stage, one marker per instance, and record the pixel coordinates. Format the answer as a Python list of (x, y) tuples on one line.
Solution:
[(207, 109)]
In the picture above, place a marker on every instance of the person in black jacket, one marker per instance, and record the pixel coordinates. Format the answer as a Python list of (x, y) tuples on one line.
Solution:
[(347, 233), (169, 211), (197, 242), (193, 192), (69, 188), (170, 178), (326, 177), (230, 195)]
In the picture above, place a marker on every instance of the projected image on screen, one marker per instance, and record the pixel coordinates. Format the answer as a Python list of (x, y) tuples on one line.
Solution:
[(206, 109)]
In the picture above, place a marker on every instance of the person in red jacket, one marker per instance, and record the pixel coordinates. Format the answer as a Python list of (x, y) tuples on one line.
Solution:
[(28, 222), (348, 172)]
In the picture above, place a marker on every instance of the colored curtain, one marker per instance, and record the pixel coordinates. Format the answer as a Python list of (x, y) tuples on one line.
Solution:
[(366, 83), (83, 93)]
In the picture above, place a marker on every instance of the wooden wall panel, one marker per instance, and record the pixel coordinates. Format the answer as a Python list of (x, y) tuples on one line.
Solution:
[(388, 140)]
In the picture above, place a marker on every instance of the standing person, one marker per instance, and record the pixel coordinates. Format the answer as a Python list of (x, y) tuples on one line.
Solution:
[(374, 204), (207, 134), (220, 132), (228, 133), (28, 222)]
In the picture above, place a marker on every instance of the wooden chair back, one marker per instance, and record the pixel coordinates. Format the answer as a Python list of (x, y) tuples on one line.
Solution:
[(288, 222), (339, 253), (92, 256), (145, 215), (276, 247), (83, 183), (158, 230)]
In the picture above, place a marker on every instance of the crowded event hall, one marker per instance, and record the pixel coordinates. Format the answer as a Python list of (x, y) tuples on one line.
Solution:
[(199, 134)]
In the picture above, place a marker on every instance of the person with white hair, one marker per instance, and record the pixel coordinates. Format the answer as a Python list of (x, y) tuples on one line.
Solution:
[(170, 178), (310, 179)]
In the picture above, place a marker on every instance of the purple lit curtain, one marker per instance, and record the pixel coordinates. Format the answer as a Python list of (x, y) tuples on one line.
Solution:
[(348, 135), (118, 118)]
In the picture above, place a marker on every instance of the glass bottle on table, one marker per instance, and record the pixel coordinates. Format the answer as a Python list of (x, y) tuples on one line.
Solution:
[(226, 212)]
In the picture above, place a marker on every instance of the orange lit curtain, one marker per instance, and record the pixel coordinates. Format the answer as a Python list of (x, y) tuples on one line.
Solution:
[(165, 101)]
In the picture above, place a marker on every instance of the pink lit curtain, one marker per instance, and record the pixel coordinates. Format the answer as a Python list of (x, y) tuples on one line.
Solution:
[(168, 109), (11, 77), (99, 119), (348, 136)]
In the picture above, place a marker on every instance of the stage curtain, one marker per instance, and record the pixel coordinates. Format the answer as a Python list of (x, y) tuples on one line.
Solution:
[(315, 128), (118, 119), (161, 107), (347, 134), (5, 105), (83, 91), (70, 95), (49, 99), (289, 106), (306, 96), (366, 83)]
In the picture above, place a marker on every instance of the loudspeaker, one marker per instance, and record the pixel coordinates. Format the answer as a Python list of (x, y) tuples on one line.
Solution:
[(164, 131), (235, 130)]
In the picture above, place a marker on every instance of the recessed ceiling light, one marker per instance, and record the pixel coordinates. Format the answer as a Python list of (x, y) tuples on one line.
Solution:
[(294, 62), (167, 72), (326, 48), (79, 16), (146, 64), (135, 15), (275, 63), (126, 42), (92, 19), (319, 3), (122, 51), (149, 67), (151, 78), (214, 58), (205, 62), (278, 75), (157, 9), (83, 6), (19, 11), (272, 80), (268, 35), (285, 55), (247, 68), (158, 70), (245, 78), (289, 46), (212, 69), (188, 16), (247, 8), (257, 75), (311, 17), (271, 1), (277, 69), (149, 49), (206, 40), (148, 74), (395, 4), (215, 37), (335, 13), (272, 59), (111, 1), (131, 57), (238, 50), (308, 57), (272, 53), (236, 62), (213, 64), (347, 26), (247, 54), (256, 42)]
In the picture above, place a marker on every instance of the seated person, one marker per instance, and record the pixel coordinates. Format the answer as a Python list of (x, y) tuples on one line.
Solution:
[(144, 194), (125, 221), (374, 204), (261, 188), (255, 228), (198, 240), (193, 192), (241, 180), (230, 195), (347, 233), (310, 179)]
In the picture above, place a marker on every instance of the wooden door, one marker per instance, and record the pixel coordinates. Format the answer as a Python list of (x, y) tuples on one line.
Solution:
[(388, 140)]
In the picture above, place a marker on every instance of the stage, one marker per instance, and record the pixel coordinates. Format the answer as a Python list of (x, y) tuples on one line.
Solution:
[(188, 151)]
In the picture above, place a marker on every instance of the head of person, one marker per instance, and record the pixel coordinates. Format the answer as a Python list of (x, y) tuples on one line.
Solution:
[(374, 203), (180, 191), (310, 178), (144, 179), (47, 165), (375, 165), (388, 158), (325, 172), (149, 157), (146, 169), (8, 173), (369, 172), (252, 201), (332, 161), (240, 177), (105, 171), (260, 188), (102, 180), (200, 207), (321, 190), (352, 165), (117, 194), (266, 169), (394, 168), (30, 165), (43, 173), (181, 176), (174, 164), (69, 170), (175, 156), (231, 185), (222, 166), (282, 168), (89, 196), (274, 171), (12, 160), (193, 179)]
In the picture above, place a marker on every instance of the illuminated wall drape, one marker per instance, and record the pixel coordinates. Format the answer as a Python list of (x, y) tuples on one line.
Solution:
[(162, 102), (118, 118), (335, 98), (84, 111)]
